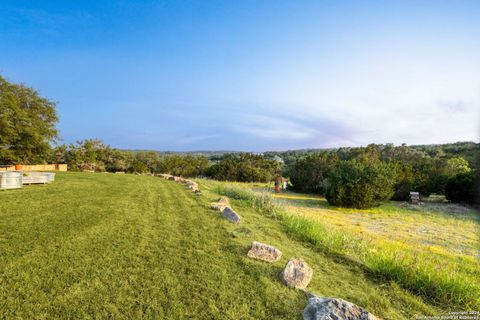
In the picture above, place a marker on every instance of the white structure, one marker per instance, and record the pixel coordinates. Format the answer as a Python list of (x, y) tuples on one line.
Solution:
[(414, 198), (10, 180), (38, 177)]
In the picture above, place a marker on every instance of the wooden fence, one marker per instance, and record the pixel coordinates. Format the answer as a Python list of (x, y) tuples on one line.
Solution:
[(36, 167)]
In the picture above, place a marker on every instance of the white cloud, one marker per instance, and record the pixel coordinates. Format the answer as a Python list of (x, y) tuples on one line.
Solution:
[(274, 128), (393, 102), (192, 139)]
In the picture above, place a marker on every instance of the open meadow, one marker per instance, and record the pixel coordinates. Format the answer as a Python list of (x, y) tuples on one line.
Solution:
[(95, 245), (315, 160), (110, 246), (430, 249)]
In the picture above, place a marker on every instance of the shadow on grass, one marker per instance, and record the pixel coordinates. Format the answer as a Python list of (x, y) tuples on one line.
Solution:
[(446, 210)]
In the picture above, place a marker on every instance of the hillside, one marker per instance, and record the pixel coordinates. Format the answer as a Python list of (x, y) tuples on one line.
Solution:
[(125, 246)]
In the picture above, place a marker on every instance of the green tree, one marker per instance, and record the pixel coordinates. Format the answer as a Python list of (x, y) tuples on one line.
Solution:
[(309, 173), (185, 166), (27, 124), (145, 161), (360, 184), (87, 155), (58, 154), (245, 167), (462, 187), (117, 160), (457, 165), (406, 179)]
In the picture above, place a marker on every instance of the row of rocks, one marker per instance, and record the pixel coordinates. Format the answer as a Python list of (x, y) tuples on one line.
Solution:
[(192, 185), (298, 274)]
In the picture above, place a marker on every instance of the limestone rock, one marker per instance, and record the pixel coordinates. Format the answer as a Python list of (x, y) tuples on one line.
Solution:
[(321, 308), (224, 200), (231, 215), (179, 179), (264, 252), (297, 274), (221, 204), (217, 206), (190, 183)]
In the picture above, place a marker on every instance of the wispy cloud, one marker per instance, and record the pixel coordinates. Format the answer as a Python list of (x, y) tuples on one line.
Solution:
[(193, 139), (179, 77), (457, 105), (274, 128)]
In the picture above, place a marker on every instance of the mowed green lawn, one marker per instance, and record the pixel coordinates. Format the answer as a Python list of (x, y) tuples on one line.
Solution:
[(103, 245), (125, 247)]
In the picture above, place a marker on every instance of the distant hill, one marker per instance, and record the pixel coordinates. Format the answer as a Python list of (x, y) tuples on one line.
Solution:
[(468, 150)]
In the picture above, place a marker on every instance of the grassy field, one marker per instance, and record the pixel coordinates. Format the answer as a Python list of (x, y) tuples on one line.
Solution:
[(431, 249), (123, 246), (439, 228)]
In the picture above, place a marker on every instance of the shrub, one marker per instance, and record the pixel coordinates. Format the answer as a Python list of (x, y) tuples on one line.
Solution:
[(185, 166), (87, 155), (405, 178), (360, 184), (461, 188), (245, 167), (309, 173)]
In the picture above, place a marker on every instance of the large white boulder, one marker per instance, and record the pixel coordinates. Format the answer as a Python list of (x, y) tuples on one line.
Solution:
[(297, 274), (264, 252)]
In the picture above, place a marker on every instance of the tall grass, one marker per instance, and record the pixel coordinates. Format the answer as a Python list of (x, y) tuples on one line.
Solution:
[(417, 272), (261, 201)]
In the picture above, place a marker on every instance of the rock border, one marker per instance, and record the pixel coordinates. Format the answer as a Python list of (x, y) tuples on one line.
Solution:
[(192, 185), (296, 273)]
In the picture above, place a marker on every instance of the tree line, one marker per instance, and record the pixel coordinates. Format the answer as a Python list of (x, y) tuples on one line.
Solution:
[(366, 176), (94, 155), (353, 177)]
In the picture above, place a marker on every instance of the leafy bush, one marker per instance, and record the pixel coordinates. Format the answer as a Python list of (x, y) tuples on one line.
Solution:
[(425, 175), (87, 155), (457, 165), (185, 166), (405, 181), (245, 167), (360, 184), (461, 188), (309, 173)]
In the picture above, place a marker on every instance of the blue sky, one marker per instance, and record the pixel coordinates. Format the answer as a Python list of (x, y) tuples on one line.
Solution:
[(250, 75)]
